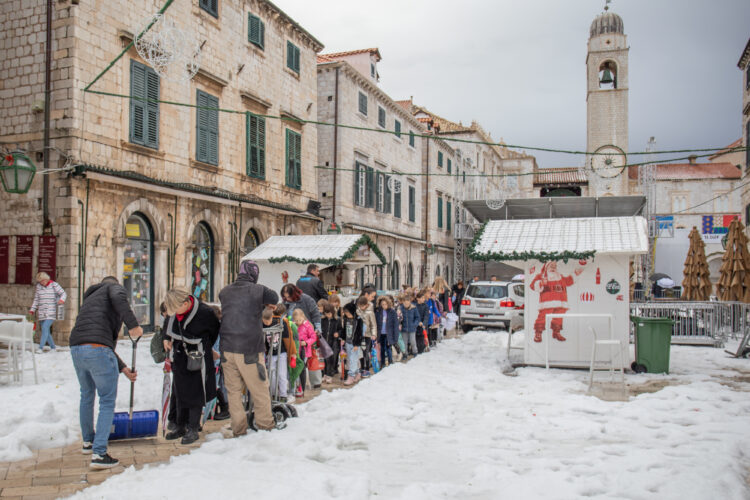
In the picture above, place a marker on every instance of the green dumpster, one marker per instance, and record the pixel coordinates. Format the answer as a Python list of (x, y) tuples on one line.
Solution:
[(653, 338)]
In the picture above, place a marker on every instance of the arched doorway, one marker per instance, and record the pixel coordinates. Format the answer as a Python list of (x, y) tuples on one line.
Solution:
[(138, 269), (202, 272)]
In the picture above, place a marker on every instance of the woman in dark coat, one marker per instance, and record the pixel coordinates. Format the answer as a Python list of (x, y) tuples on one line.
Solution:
[(190, 327), (458, 295), (293, 298)]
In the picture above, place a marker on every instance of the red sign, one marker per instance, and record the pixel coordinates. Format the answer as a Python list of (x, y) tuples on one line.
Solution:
[(47, 258), (4, 256), (24, 259)]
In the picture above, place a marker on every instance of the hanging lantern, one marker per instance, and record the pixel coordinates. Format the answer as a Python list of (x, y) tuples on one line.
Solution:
[(430, 249), (17, 172), (333, 228)]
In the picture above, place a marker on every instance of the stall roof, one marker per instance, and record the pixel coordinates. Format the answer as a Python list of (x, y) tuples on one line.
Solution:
[(558, 207), (555, 239), (326, 249)]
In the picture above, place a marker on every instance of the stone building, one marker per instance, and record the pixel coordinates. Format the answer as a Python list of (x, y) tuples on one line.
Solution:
[(744, 65), (370, 181), (162, 195)]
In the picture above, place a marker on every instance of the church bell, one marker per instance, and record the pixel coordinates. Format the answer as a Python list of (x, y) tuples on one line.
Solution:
[(606, 77)]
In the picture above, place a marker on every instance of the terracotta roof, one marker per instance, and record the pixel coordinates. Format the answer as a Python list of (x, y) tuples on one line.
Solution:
[(735, 144), (691, 171), (559, 176), (337, 55)]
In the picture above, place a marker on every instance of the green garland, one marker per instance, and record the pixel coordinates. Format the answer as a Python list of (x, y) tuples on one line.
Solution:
[(364, 239), (540, 256)]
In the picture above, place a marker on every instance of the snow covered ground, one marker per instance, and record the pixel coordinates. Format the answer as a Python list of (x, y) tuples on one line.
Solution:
[(446, 425)]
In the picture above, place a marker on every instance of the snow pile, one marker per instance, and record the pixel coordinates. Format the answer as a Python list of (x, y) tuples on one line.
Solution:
[(46, 415), (450, 425)]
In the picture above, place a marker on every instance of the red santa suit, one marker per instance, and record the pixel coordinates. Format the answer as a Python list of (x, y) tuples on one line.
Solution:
[(553, 299)]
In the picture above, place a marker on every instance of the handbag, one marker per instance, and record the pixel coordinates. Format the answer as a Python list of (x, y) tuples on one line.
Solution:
[(313, 362), (325, 348), (157, 347), (194, 360)]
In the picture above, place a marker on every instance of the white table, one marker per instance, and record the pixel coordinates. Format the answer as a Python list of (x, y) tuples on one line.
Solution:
[(549, 318), (12, 317)]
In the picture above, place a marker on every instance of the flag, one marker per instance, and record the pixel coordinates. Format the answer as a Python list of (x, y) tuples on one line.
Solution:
[(717, 224)]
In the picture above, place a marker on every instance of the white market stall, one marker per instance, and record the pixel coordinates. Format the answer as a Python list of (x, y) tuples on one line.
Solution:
[(283, 259), (576, 266)]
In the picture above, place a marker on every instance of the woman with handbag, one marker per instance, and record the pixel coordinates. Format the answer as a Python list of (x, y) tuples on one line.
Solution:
[(190, 332)]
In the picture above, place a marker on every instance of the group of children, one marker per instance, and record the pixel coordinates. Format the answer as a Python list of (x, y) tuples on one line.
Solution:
[(364, 335)]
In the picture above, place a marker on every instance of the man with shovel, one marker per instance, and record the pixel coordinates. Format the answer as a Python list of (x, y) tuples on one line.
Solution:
[(92, 346)]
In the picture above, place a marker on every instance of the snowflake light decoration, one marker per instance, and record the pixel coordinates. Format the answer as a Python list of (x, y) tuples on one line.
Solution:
[(173, 53)]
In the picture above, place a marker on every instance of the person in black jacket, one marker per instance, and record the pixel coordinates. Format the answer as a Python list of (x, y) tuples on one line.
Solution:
[(311, 285), (92, 347), (353, 336), (190, 330), (331, 331), (243, 349)]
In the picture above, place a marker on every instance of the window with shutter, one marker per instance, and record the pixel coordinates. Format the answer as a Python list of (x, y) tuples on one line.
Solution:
[(293, 159), (144, 108), (292, 56), (381, 117), (448, 216), (370, 196), (207, 133), (440, 158), (449, 165), (411, 139), (397, 128), (256, 31), (360, 185), (255, 146), (380, 192), (363, 103), (412, 203), (397, 204), (210, 6), (440, 212)]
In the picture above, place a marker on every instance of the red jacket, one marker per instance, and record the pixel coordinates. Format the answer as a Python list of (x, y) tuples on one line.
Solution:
[(553, 293)]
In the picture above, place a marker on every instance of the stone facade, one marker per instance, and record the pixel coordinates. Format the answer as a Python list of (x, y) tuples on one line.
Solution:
[(165, 186), (744, 65)]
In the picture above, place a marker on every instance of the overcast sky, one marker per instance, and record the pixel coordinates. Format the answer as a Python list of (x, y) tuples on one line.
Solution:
[(518, 67)]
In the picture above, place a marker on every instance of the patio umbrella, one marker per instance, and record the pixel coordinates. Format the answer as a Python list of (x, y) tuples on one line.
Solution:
[(696, 284), (665, 282), (658, 276), (734, 274)]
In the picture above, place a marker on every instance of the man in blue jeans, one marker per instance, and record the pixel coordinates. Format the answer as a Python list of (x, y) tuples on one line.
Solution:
[(92, 346)]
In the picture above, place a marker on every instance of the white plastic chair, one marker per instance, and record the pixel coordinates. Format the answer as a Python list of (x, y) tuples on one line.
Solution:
[(7, 337), (20, 339), (611, 368), (25, 331)]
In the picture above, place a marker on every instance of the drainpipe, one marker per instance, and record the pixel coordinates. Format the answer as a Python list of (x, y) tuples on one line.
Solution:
[(80, 259), (335, 143), (46, 224), (426, 208)]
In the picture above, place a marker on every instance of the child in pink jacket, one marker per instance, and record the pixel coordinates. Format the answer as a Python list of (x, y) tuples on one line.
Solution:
[(306, 332)]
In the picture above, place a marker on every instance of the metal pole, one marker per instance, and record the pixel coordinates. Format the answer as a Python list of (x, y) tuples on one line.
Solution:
[(46, 224)]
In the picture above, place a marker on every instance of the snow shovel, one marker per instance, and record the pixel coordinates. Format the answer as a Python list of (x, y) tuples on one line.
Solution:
[(134, 424)]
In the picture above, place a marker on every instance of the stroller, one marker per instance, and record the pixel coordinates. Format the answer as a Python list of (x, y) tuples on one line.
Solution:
[(280, 409)]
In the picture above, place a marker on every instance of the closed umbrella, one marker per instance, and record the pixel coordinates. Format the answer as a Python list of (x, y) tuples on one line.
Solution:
[(665, 282)]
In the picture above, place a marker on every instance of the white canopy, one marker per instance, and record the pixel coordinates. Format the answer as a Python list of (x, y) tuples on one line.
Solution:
[(603, 235), (322, 249)]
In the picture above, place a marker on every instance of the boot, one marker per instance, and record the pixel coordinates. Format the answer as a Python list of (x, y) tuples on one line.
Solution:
[(190, 437), (557, 336), (175, 434), (222, 414), (537, 336)]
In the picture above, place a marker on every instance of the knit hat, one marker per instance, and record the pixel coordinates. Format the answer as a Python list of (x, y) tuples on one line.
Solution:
[(250, 269)]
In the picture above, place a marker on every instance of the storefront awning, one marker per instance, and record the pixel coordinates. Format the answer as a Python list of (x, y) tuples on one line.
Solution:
[(321, 249)]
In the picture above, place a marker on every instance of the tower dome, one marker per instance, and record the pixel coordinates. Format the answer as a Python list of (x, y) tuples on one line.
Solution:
[(606, 22)]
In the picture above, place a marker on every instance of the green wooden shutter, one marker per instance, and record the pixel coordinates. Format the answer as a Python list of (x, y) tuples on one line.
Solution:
[(411, 139), (152, 109), (357, 198), (397, 128), (363, 103), (448, 215), (298, 159), (397, 204), (137, 106), (210, 6), (378, 188), (387, 195), (440, 212), (293, 159), (207, 144), (449, 165), (440, 158), (256, 146), (370, 197), (381, 117), (412, 203), (292, 56), (256, 31)]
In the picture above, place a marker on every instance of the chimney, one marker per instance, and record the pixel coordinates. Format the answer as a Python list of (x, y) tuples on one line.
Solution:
[(692, 159)]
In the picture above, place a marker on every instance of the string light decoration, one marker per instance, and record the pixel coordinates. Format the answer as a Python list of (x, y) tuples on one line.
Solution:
[(394, 184), (173, 53)]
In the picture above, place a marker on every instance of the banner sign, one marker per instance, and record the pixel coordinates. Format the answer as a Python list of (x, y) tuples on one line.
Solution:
[(24, 259), (47, 258), (4, 258)]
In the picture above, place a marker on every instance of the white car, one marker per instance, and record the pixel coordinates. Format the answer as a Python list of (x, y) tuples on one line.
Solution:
[(491, 304)]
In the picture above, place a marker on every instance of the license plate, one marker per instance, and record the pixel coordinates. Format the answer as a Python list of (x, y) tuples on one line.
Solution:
[(485, 303)]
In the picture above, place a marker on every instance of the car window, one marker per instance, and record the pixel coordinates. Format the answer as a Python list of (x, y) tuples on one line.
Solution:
[(487, 291), (518, 290)]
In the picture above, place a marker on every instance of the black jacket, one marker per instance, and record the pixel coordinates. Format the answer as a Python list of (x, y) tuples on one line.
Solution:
[(313, 287), (328, 327), (105, 307), (201, 325), (424, 313), (242, 305), (354, 336)]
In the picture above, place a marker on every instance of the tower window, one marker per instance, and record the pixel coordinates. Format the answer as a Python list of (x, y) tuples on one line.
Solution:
[(608, 75)]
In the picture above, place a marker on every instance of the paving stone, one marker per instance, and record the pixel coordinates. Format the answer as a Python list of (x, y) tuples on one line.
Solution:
[(14, 483), (30, 490), (72, 479)]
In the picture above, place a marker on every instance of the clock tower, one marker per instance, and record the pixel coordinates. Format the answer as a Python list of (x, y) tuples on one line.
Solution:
[(607, 106)]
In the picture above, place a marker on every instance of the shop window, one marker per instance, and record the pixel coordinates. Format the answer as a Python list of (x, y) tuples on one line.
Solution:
[(202, 272), (250, 242), (138, 269)]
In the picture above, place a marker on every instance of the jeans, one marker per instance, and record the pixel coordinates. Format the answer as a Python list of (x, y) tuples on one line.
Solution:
[(97, 370), (281, 375), (410, 339), (46, 335), (385, 350), (352, 358)]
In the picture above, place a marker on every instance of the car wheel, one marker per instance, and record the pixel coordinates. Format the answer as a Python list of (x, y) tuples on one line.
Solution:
[(466, 328)]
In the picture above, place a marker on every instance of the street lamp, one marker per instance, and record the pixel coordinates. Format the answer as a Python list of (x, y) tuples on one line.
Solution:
[(17, 172)]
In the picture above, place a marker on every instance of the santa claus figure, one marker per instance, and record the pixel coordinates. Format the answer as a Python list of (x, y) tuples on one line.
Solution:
[(553, 297)]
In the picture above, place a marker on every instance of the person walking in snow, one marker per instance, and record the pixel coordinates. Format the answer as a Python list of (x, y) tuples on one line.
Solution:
[(92, 346), (243, 347), (190, 332), (553, 297), (47, 296)]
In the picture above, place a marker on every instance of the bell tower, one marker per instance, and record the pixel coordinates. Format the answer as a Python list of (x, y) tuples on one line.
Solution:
[(607, 105)]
